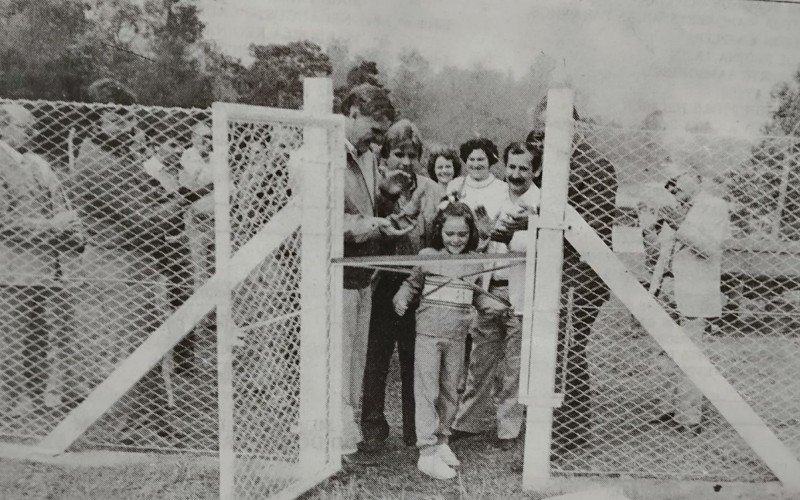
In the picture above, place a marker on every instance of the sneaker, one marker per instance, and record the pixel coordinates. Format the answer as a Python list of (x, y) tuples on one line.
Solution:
[(447, 455), (433, 466)]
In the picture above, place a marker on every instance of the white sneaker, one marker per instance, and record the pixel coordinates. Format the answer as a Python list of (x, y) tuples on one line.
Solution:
[(434, 466), (447, 455)]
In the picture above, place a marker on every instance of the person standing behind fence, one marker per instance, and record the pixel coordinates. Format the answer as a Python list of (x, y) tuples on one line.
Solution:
[(493, 373), (443, 317), (401, 150), (122, 206), (37, 226), (444, 165), (697, 226), (592, 189), (196, 176), (368, 114), (484, 194)]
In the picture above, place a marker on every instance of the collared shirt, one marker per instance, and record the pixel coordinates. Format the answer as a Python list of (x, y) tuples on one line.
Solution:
[(368, 165)]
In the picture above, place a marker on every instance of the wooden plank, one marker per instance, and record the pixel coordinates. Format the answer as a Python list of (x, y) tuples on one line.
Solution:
[(176, 326), (689, 358), (543, 342), (224, 319)]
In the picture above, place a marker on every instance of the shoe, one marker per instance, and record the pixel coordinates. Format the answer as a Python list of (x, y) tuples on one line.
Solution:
[(447, 455), (666, 418), (23, 406), (370, 445), (505, 444), (360, 458), (456, 434), (695, 429), (433, 466)]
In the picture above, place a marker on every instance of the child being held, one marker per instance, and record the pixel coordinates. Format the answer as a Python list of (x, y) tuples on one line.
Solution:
[(443, 318)]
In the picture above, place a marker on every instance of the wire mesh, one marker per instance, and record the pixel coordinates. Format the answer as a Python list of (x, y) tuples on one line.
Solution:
[(266, 312), (107, 226), (628, 409)]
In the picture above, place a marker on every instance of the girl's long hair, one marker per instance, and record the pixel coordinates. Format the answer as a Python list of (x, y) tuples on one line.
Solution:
[(454, 209)]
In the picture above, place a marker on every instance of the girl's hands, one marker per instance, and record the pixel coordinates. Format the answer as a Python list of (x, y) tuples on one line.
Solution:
[(400, 305)]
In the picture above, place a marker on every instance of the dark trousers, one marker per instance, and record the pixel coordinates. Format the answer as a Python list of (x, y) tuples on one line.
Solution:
[(387, 329), (572, 421), (174, 264)]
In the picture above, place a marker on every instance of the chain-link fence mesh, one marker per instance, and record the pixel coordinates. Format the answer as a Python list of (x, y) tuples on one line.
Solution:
[(107, 226), (627, 408)]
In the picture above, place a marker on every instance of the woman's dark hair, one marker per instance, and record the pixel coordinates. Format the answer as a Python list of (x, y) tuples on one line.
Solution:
[(402, 131), (370, 100), (454, 209), (448, 154), (481, 143)]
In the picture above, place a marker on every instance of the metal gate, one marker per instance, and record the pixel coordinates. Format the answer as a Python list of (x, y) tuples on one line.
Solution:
[(607, 367), (259, 390), (280, 356)]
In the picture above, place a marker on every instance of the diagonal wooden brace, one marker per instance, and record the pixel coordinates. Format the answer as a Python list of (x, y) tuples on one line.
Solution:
[(689, 358), (176, 326)]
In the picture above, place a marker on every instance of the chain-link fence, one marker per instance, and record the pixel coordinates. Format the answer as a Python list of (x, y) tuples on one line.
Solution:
[(107, 226), (627, 408)]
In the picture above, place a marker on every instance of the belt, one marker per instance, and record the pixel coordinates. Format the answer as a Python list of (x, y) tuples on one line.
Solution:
[(495, 282)]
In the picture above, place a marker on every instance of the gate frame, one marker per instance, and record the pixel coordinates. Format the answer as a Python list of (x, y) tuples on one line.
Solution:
[(559, 220), (309, 211)]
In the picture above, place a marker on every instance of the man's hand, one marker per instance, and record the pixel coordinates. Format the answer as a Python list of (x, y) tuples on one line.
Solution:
[(484, 223), (387, 227), (394, 182), (400, 306)]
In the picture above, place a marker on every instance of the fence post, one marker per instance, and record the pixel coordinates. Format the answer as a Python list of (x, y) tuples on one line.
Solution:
[(547, 289), (312, 168), (225, 326)]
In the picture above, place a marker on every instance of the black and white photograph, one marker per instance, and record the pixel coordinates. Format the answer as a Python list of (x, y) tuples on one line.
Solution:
[(351, 249)]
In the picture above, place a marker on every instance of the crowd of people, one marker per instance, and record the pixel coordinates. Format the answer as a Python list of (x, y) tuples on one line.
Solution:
[(111, 246), (453, 322), (138, 209)]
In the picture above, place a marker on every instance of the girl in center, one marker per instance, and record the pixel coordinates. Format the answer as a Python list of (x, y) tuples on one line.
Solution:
[(443, 318)]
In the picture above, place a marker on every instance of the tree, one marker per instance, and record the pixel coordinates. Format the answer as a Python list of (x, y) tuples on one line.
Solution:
[(409, 82), (275, 77), (785, 119)]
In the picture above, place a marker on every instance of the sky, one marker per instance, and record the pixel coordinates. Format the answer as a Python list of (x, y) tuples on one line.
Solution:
[(713, 61)]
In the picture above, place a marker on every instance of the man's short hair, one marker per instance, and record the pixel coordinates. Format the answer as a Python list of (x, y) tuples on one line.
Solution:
[(447, 153), (399, 133), (518, 148), (482, 143), (542, 106), (108, 90), (16, 113), (370, 100)]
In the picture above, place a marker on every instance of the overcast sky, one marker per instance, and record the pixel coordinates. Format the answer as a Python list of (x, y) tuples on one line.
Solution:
[(714, 60)]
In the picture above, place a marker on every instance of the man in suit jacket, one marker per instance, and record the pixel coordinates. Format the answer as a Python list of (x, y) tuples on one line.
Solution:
[(369, 113)]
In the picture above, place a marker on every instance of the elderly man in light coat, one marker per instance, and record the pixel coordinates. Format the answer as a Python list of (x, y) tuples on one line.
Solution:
[(695, 229)]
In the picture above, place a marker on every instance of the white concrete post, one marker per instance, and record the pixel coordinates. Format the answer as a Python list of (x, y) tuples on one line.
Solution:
[(311, 167), (549, 253), (225, 326)]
